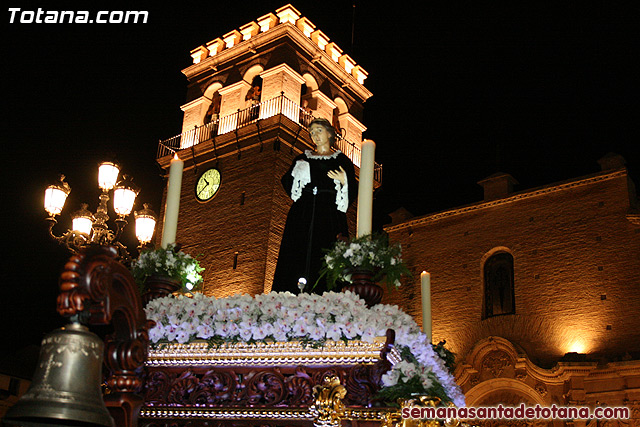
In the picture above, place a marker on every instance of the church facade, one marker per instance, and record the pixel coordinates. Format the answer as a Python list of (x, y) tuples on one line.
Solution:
[(536, 291)]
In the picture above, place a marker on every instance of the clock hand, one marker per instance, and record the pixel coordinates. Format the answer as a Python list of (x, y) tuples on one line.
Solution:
[(203, 188)]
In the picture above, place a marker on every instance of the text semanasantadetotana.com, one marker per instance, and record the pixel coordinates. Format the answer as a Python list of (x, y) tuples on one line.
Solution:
[(17, 15), (521, 412)]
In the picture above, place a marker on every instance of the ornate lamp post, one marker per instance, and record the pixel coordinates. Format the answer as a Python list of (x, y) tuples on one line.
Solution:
[(145, 224), (92, 228)]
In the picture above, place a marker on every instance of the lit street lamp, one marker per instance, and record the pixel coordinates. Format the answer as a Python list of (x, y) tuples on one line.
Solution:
[(92, 228), (145, 224)]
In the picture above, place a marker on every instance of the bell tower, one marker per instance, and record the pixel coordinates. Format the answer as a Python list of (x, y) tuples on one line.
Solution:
[(251, 94)]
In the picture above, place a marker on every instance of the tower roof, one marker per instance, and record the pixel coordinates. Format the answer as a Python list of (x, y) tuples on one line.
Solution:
[(285, 21)]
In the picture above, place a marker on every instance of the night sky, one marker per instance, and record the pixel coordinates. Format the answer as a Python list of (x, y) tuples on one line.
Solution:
[(460, 91)]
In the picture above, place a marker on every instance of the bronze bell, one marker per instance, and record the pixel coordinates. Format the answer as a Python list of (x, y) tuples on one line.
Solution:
[(66, 385)]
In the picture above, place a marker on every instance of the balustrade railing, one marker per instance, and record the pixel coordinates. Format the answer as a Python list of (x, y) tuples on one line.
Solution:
[(263, 110)]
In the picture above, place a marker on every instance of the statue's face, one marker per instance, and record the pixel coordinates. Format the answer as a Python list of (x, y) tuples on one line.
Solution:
[(320, 135)]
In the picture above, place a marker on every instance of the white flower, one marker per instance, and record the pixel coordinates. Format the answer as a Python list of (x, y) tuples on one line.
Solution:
[(261, 331), (391, 378), (171, 331), (182, 336), (156, 333), (245, 334), (280, 330), (321, 307), (334, 332), (368, 334), (316, 332), (351, 330), (268, 309), (300, 329), (409, 370), (204, 331), (426, 380), (234, 314), (222, 328), (174, 318)]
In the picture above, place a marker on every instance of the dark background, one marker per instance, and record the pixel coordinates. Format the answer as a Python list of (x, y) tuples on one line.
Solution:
[(460, 91)]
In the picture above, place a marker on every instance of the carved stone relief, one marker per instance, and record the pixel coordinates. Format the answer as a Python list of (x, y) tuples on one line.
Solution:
[(495, 362), (541, 389)]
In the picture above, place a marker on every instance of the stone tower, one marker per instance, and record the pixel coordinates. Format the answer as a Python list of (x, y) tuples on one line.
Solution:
[(251, 94)]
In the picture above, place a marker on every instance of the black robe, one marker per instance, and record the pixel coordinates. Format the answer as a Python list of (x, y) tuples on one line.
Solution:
[(314, 221)]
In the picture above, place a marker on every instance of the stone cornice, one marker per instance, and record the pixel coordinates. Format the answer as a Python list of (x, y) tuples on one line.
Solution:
[(194, 103), (540, 191), (555, 375), (349, 117), (317, 93), (279, 31), (566, 370), (630, 367), (282, 68)]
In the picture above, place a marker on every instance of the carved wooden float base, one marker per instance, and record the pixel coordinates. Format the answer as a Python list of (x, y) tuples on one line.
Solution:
[(274, 384), (271, 385)]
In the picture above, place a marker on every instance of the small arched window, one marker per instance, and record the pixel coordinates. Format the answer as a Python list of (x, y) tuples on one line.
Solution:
[(499, 296)]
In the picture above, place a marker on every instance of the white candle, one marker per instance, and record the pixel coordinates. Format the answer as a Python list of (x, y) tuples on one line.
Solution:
[(425, 280), (365, 190), (170, 225)]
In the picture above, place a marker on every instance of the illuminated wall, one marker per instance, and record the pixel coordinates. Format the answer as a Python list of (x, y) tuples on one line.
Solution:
[(576, 269)]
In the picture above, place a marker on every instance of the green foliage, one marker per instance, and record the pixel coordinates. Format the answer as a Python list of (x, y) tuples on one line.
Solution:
[(405, 387), (445, 354), (413, 387)]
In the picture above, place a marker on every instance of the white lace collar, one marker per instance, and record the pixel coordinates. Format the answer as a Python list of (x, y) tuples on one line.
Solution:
[(310, 155)]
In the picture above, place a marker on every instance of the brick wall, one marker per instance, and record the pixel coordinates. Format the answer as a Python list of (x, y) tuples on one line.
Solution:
[(240, 225), (576, 270)]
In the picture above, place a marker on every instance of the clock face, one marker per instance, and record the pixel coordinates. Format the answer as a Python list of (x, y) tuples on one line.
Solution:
[(208, 184)]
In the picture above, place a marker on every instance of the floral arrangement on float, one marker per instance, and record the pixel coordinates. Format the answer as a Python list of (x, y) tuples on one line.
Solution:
[(357, 265), (168, 263), (311, 319), (371, 252)]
